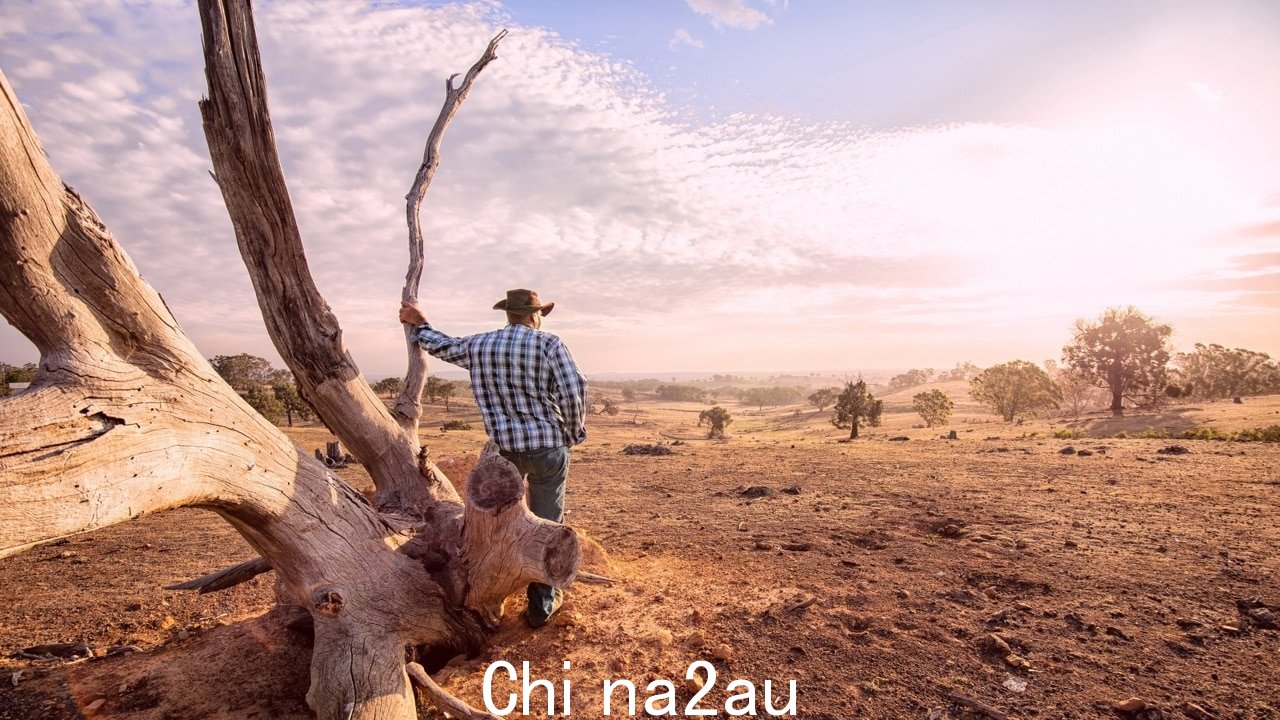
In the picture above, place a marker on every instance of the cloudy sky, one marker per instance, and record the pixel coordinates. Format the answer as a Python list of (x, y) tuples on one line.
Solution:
[(705, 185)]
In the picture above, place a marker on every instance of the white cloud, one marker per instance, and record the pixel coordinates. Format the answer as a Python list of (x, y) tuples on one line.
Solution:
[(682, 37), (733, 13), (666, 242), (1204, 93)]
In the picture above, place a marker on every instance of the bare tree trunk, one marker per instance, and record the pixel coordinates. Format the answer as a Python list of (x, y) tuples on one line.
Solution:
[(853, 428), (126, 417)]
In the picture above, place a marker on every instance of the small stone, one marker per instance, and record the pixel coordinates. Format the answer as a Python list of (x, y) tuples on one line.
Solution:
[(999, 644), (694, 684), (723, 653), (95, 705), (1195, 712), (168, 622), (1133, 705), (696, 639), (1017, 661)]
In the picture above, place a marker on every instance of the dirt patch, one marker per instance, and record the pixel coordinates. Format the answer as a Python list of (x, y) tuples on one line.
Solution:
[(1106, 577)]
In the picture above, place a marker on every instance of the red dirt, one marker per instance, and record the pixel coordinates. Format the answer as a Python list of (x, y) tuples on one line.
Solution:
[(1124, 573)]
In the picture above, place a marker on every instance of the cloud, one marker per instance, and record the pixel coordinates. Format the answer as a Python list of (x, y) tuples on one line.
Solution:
[(748, 241), (733, 13), (682, 37), (1204, 93)]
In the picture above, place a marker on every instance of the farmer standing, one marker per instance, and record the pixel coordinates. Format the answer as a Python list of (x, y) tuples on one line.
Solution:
[(532, 398)]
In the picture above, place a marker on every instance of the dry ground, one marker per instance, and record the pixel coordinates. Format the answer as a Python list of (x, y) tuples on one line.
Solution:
[(874, 574)]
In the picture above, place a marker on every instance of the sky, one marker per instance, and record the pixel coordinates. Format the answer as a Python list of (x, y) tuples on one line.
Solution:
[(704, 185)]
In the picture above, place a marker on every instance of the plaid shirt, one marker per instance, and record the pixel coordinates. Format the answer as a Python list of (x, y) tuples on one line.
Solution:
[(529, 390)]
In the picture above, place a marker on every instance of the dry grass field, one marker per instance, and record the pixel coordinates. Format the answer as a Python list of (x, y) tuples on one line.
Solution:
[(888, 578)]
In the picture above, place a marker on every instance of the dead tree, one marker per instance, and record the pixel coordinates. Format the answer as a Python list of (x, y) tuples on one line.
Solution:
[(125, 418)]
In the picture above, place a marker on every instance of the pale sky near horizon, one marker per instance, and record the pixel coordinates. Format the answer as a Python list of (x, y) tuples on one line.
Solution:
[(705, 185)]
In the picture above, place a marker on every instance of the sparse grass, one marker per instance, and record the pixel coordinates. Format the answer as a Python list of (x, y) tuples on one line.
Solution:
[(1069, 434), (1259, 434), (455, 425)]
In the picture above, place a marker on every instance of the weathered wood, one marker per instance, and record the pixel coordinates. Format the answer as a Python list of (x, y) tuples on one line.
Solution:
[(408, 404), (126, 418), (237, 125), (223, 579), (977, 705), (441, 698)]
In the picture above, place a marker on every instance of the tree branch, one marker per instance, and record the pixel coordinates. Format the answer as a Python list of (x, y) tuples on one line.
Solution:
[(408, 404), (441, 698), (242, 145)]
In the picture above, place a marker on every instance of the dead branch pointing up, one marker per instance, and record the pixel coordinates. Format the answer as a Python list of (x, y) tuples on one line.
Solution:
[(408, 405)]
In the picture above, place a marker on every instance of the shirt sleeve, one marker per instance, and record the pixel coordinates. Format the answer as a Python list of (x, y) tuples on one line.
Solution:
[(570, 391), (456, 351)]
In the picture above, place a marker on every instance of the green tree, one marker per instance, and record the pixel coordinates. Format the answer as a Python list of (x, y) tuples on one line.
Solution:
[(1017, 389), (1215, 372), (628, 394), (1124, 351), (823, 398), (389, 387), (15, 374), (680, 393), (717, 418), (855, 405), (934, 406), (445, 391), (244, 371), (962, 371), (291, 401), (263, 399), (910, 378)]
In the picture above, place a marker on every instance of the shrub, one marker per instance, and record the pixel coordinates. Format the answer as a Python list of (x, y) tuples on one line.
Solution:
[(1069, 434), (455, 425)]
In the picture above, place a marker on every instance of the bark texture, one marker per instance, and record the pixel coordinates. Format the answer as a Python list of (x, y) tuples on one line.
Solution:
[(126, 417)]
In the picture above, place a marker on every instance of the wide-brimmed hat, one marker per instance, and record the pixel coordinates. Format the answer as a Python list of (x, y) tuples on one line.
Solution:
[(523, 302)]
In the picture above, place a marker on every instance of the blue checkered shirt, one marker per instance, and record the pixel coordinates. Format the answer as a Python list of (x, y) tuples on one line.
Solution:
[(529, 390)]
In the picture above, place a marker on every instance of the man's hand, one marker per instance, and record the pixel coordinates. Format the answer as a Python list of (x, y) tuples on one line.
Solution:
[(411, 314)]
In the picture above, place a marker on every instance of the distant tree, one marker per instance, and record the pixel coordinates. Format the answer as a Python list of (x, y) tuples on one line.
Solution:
[(1078, 392), (291, 401), (263, 399), (445, 391), (437, 389), (1214, 372), (389, 387), (15, 374), (934, 406), (717, 418), (855, 405), (823, 398), (962, 371), (1015, 390), (629, 394), (680, 393), (244, 371), (1124, 351), (610, 407), (910, 378)]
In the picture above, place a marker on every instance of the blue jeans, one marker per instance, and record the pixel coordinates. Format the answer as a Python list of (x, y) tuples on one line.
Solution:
[(546, 470)]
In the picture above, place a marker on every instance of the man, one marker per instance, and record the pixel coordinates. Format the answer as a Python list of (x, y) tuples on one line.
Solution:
[(532, 399)]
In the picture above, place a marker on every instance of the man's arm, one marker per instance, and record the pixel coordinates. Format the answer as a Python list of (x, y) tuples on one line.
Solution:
[(570, 390), (449, 349)]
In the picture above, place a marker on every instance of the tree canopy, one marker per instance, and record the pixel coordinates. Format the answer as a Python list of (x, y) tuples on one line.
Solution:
[(1016, 390), (717, 419), (934, 407), (1213, 372), (855, 405), (1124, 351)]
